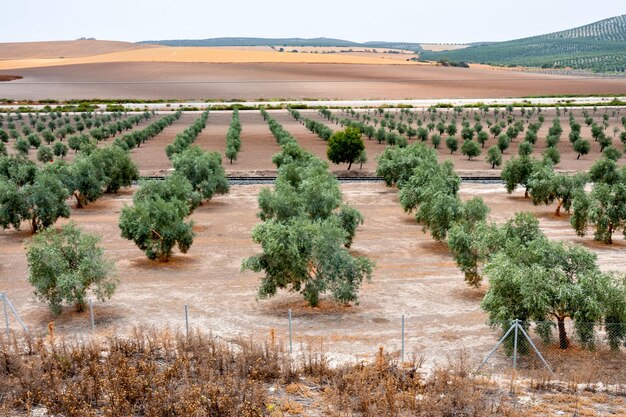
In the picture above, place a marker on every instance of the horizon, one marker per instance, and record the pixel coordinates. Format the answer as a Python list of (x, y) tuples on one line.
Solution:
[(437, 22)]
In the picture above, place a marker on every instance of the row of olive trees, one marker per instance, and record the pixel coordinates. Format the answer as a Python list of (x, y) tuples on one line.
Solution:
[(320, 129), (184, 139), (233, 137), (156, 222), (530, 277), (38, 195), (306, 230)]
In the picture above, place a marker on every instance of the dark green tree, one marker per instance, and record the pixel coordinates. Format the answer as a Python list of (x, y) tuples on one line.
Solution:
[(345, 146)]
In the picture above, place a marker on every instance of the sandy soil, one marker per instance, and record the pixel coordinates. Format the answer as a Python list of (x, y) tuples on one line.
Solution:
[(415, 276), (250, 81)]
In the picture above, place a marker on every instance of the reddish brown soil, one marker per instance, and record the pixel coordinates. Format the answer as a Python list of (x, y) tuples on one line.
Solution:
[(162, 80), (10, 77)]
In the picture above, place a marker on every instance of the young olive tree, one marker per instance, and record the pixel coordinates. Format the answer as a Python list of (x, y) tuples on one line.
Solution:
[(63, 265)]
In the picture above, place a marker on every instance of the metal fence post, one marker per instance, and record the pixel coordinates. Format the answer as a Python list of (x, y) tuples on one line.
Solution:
[(516, 324), (93, 322), (402, 356), (290, 334), (6, 313), (186, 320)]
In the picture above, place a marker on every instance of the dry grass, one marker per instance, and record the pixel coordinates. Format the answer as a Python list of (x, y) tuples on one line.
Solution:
[(160, 373)]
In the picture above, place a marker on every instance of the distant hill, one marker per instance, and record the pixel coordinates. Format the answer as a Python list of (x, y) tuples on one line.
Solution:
[(63, 49), (289, 42), (599, 47)]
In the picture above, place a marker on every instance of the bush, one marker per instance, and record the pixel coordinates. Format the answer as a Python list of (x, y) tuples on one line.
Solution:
[(63, 265)]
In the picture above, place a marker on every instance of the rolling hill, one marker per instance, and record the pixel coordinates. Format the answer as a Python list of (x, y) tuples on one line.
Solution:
[(598, 47), (284, 42)]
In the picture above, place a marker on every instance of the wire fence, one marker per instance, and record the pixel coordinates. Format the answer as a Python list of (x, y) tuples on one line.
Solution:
[(588, 353)]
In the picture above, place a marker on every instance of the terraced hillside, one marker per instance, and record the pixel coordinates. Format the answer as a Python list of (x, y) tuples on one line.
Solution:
[(598, 47)]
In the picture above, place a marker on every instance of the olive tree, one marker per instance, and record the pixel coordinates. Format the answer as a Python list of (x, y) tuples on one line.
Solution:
[(63, 265), (396, 165), (604, 207), (345, 146), (470, 149), (546, 186), (516, 172), (494, 157), (307, 256), (157, 226), (203, 170), (545, 281)]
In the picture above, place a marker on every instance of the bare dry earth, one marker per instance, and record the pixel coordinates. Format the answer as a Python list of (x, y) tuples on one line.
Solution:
[(251, 81), (415, 276), (64, 49)]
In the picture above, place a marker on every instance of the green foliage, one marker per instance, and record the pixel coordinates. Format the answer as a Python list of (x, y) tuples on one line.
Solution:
[(157, 225), (516, 172), (35, 195), (63, 265), (44, 154), (611, 153), (604, 207), (306, 256), (470, 149), (59, 149), (396, 165), (581, 146), (546, 280), (503, 142), (482, 138), (118, 167), (233, 137), (203, 170), (184, 139), (494, 157), (551, 155), (452, 144), (525, 148), (22, 146), (306, 230), (175, 186), (432, 193), (546, 186), (345, 146)]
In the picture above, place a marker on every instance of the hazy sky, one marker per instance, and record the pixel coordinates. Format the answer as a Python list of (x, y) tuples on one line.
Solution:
[(357, 20)]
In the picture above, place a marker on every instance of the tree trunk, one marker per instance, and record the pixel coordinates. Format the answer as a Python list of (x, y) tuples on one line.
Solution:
[(578, 156), (563, 339), (526, 193), (610, 239), (33, 224), (79, 200), (349, 165), (558, 208)]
